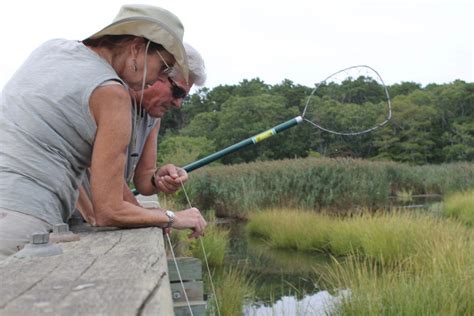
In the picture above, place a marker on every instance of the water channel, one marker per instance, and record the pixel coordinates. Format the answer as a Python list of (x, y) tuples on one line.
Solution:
[(286, 281)]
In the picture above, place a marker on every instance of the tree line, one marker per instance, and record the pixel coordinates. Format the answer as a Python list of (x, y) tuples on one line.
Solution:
[(431, 124)]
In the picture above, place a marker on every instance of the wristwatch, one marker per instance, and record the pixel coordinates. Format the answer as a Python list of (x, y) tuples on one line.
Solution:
[(171, 217)]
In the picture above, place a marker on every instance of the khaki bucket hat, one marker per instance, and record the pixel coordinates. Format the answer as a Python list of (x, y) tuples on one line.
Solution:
[(155, 24)]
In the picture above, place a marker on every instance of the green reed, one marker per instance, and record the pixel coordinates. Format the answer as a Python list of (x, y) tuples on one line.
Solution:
[(233, 287), (311, 183)]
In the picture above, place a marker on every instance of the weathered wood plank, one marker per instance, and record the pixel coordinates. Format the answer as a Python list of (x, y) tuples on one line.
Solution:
[(115, 272), (194, 291), (191, 273), (189, 268), (197, 307)]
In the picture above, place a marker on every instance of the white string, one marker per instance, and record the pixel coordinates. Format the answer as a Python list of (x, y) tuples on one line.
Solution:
[(179, 274), (145, 69), (210, 278), (205, 255), (138, 110)]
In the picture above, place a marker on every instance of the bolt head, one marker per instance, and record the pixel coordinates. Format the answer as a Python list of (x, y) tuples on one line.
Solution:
[(60, 228), (39, 238)]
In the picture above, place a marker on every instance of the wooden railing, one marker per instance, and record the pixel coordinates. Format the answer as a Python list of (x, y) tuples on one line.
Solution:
[(106, 272)]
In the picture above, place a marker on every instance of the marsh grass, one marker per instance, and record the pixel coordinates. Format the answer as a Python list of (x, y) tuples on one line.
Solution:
[(233, 287), (311, 183), (215, 243), (460, 206), (232, 284), (386, 236), (442, 284), (395, 263), (291, 229)]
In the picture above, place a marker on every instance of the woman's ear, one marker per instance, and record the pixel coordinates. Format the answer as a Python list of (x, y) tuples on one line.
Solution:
[(138, 43)]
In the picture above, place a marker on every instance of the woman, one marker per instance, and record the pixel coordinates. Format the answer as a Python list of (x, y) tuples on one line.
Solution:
[(141, 168), (67, 109)]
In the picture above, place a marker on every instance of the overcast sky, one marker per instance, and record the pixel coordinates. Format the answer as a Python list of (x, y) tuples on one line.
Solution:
[(424, 41)]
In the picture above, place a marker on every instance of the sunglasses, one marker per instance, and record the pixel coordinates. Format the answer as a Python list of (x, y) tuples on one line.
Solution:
[(177, 91)]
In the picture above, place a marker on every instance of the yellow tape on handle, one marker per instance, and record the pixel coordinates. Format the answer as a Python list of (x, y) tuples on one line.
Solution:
[(264, 135)]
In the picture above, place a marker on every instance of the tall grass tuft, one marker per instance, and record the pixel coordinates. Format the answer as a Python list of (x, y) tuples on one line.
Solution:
[(233, 287), (439, 281), (460, 206), (215, 243), (291, 229)]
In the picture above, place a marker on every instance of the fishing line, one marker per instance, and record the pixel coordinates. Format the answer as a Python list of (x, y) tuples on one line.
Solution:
[(179, 273), (204, 253)]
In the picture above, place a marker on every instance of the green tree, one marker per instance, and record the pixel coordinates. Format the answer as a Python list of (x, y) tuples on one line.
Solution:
[(243, 117), (253, 87), (410, 136), (455, 101), (429, 125), (459, 142), (182, 150), (203, 124), (295, 95), (404, 88)]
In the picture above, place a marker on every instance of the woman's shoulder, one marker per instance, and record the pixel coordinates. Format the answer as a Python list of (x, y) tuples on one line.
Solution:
[(60, 46), (60, 42)]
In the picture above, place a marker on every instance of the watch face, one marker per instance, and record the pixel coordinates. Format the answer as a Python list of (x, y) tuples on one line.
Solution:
[(171, 217)]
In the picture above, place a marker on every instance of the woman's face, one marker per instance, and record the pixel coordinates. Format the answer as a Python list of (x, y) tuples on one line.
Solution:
[(156, 65)]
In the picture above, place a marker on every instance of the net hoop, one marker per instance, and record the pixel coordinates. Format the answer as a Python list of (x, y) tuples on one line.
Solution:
[(365, 131)]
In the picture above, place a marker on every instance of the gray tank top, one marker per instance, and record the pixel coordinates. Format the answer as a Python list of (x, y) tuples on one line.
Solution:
[(141, 130), (47, 131)]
